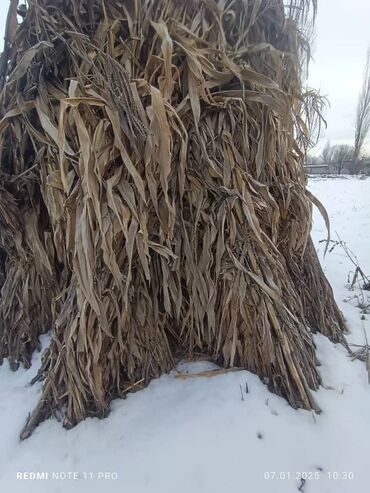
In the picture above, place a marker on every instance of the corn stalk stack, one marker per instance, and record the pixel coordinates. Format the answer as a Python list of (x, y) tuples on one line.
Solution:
[(153, 200)]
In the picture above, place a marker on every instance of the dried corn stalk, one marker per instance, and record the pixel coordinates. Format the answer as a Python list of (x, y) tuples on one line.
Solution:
[(153, 202)]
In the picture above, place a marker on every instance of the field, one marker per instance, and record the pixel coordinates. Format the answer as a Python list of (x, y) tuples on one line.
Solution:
[(225, 433)]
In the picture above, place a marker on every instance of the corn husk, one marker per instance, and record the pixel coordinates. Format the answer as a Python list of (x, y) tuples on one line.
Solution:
[(153, 200)]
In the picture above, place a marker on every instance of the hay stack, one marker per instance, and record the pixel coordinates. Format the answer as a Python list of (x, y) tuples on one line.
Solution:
[(153, 201)]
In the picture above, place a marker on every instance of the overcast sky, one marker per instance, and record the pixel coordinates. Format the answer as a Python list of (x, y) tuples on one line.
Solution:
[(342, 39)]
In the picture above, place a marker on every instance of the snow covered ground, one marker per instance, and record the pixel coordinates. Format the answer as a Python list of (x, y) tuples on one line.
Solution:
[(199, 435)]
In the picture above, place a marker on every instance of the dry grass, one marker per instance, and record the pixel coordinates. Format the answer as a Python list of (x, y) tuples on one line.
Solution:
[(153, 202)]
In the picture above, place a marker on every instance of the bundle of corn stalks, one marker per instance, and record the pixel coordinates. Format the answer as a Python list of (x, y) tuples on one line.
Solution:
[(153, 202)]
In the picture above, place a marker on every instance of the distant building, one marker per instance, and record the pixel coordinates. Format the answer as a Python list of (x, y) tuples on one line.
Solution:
[(328, 169)]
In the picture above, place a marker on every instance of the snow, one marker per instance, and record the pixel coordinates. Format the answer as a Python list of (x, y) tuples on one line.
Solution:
[(208, 434)]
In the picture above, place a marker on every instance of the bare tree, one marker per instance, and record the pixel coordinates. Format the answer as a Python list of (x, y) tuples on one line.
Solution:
[(363, 113), (342, 155), (327, 153), (313, 160), (337, 157)]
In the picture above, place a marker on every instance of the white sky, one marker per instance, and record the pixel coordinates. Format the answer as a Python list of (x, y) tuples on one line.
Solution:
[(342, 39)]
